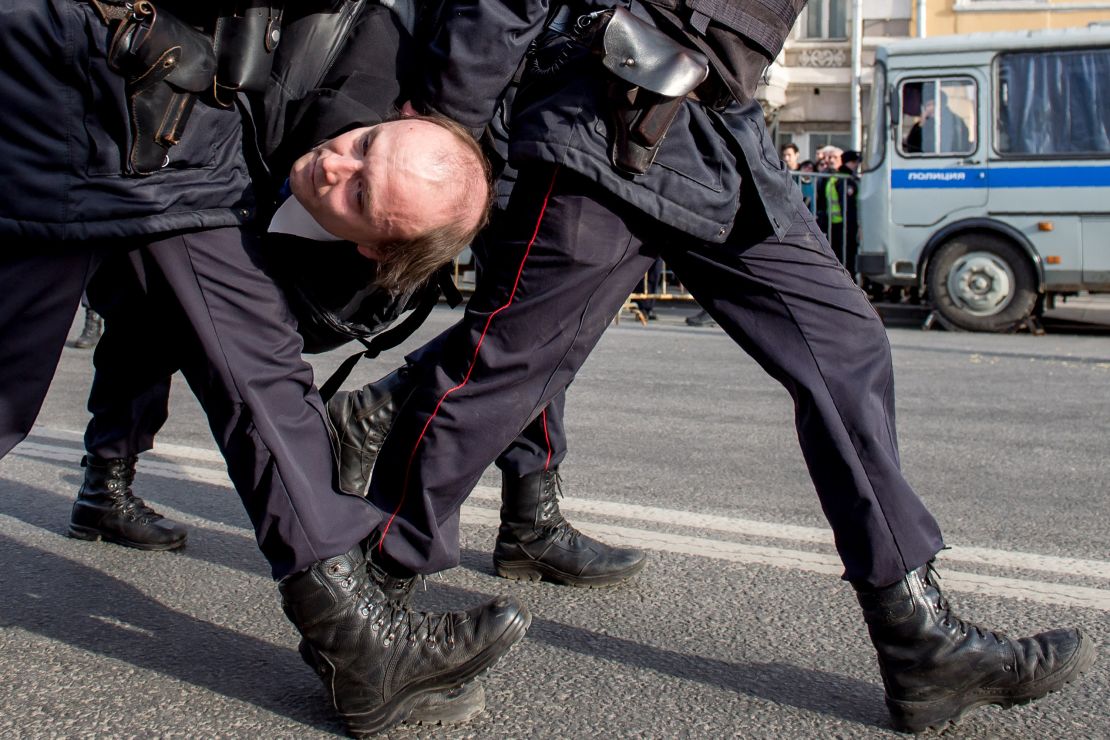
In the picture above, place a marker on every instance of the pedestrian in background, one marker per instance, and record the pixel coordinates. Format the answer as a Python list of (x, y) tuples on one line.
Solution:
[(828, 162), (807, 184), (790, 156)]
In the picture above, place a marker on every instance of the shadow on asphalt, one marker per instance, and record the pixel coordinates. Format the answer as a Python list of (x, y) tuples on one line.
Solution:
[(830, 694), (905, 316), (88, 609), (69, 603)]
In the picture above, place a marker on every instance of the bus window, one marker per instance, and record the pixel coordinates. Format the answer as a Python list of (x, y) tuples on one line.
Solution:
[(938, 117), (1054, 102)]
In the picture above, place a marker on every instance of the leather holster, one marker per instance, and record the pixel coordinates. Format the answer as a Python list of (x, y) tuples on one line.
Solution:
[(166, 64), (653, 74)]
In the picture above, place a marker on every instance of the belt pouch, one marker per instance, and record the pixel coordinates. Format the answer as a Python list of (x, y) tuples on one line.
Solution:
[(245, 42)]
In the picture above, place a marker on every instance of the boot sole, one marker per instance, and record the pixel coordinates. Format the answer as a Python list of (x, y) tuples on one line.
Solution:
[(400, 707), (89, 534), (535, 571), (453, 711), (467, 702), (918, 717)]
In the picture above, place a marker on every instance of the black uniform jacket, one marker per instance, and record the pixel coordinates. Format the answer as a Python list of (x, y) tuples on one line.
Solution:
[(65, 134), (694, 184)]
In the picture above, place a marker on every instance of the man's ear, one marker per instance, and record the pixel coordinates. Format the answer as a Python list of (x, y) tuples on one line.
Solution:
[(407, 110), (369, 252)]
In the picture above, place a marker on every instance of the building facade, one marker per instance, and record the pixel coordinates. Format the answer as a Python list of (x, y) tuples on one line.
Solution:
[(806, 93)]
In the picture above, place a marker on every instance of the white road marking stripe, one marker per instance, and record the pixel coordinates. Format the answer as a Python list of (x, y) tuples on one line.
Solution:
[(810, 535), (818, 562), (160, 448), (1045, 593)]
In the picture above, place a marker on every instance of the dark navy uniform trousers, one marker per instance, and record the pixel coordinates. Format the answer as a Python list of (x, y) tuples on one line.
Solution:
[(565, 260), (198, 302), (40, 289), (129, 400)]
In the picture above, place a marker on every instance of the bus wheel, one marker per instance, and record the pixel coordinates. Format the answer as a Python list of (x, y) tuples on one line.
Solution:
[(982, 283)]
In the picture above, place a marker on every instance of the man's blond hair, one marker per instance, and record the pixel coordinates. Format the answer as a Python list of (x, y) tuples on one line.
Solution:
[(407, 263)]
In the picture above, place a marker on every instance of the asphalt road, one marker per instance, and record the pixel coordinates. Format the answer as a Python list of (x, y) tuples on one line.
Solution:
[(739, 626)]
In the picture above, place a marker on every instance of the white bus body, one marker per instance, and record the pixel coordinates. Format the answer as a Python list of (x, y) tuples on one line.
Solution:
[(986, 182)]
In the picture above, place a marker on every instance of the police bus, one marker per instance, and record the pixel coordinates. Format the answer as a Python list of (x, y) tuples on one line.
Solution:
[(986, 179)]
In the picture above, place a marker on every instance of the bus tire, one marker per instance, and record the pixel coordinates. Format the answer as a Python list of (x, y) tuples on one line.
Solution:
[(982, 282)]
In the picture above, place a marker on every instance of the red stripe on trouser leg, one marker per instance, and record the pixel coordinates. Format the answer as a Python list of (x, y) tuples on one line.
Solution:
[(473, 362), (546, 439)]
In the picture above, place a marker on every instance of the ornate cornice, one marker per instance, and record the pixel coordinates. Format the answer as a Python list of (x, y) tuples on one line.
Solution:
[(822, 57)]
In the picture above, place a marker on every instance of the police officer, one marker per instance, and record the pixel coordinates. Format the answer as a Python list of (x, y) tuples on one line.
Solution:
[(585, 221), (358, 85), (89, 184), (306, 103)]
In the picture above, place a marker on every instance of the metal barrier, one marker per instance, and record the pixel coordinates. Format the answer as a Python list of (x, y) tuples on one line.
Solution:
[(662, 293), (814, 186)]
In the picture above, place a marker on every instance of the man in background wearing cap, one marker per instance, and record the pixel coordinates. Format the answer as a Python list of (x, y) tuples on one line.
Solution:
[(843, 216)]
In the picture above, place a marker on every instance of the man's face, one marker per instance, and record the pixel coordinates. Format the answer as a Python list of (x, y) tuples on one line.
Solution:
[(833, 161), (790, 157), (376, 184)]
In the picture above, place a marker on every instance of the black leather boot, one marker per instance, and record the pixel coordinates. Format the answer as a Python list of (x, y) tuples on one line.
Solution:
[(535, 541), (90, 334), (437, 708), (936, 666), (360, 420), (106, 509), (454, 706), (701, 318), (378, 659)]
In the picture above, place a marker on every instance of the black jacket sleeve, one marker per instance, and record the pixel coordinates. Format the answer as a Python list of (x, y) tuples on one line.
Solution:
[(472, 55)]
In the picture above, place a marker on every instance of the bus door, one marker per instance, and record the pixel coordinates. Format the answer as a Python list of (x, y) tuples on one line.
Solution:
[(938, 168)]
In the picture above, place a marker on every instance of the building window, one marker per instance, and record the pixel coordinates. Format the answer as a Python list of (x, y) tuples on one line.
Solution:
[(826, 19)]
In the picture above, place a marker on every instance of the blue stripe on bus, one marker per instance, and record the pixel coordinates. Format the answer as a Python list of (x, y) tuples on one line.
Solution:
[(1002, 177)]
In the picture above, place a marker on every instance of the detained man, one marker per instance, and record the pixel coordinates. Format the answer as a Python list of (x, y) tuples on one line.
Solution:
[(402, 191)]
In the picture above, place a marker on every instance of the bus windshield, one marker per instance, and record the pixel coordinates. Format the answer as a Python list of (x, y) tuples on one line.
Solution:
[(874, 146)]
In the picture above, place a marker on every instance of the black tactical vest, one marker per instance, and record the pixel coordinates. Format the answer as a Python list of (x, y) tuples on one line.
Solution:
[(740, 37)]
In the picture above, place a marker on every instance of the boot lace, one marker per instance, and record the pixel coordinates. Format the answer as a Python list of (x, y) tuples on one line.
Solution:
[(555, 527), (134, 508), (395, 588), (393, 621), (118, 481), (950, 620)]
